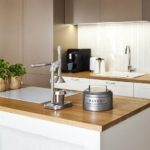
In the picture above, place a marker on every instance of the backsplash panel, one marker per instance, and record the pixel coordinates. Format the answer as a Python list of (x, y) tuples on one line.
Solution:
[(109, 40)]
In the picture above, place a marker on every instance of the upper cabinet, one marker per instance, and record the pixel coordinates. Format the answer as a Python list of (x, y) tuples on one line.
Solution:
[(92, 11), (80, 11), (146, 9), (120, 10)]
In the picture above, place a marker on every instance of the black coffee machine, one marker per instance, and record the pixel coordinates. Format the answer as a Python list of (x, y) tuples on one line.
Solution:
[(77, 60)]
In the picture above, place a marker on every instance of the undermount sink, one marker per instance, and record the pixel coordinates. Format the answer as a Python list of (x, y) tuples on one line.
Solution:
[(121, 74), (32, 94)]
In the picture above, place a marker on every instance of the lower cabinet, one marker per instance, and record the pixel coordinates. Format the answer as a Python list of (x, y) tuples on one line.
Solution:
[(142, 90), (120, 88), (117, 87), (72, 83)]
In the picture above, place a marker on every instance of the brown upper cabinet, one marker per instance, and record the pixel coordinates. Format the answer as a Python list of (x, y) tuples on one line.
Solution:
[(92, 11)]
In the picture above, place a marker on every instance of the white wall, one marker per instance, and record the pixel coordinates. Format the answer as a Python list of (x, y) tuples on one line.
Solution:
[(108, 40)]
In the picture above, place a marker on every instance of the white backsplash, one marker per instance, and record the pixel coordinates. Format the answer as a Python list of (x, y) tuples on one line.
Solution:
[(108, 40)]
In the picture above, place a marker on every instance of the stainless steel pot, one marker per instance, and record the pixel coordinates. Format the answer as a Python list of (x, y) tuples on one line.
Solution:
[(96, 99)]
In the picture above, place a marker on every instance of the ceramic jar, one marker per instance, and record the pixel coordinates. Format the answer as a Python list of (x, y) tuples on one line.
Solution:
[(7, 84), (16, 82), (2, 85)]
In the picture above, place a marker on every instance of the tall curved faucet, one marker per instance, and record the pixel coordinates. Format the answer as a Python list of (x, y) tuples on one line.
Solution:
[(128, 51)]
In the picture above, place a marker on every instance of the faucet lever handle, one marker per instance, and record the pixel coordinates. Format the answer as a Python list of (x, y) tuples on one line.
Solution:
[(40, 65)]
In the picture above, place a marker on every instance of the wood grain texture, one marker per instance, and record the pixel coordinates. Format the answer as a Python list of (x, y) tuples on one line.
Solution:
[(124, 107), (86, 74)]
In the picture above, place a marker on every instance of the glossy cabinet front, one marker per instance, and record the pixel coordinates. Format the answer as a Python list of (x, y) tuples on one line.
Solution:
[(142, 90), (72, 83), (117, 87), (93, 11), (80, 84)]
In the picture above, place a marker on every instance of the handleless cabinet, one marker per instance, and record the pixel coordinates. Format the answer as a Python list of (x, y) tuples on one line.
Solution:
[(92, 11), (73, 83), (120, 88), (83, 11), (120, 10), (142, 90)]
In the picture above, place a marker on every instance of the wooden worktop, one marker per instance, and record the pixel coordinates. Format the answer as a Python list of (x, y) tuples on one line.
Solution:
[(86, 74), (124, 107)]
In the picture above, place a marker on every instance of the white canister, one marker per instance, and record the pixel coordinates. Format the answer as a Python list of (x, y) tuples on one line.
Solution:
[(92, 63)]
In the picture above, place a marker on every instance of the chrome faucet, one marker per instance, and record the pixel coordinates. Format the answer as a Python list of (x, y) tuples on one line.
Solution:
[(59, 79), (128, 51)]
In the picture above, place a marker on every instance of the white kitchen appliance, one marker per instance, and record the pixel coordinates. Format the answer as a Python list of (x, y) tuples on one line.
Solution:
[(97, 65), (92, 63)]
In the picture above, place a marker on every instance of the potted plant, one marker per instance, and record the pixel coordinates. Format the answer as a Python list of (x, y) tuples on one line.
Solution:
[(4, 73), (2, 79), (16, 72)]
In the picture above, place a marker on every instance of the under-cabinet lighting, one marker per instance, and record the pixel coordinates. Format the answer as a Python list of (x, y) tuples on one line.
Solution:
[(97, 23)]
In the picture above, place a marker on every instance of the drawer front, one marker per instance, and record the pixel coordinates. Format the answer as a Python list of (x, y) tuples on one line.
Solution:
[(76, 80), (117, 87), (79, 84), (94, 82), (142, 90), (120, 88)]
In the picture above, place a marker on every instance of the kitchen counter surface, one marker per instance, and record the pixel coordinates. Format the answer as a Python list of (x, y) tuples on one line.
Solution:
[(124, 107), (86, 74)]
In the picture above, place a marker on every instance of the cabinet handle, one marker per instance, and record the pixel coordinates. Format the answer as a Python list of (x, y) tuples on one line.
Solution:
[(75, 79), (111, 83)]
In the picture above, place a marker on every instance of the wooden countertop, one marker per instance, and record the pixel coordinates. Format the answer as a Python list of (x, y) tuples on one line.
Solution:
[(124, 107), (86, 74)]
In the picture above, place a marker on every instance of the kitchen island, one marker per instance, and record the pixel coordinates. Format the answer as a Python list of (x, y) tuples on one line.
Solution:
[(28, 126)]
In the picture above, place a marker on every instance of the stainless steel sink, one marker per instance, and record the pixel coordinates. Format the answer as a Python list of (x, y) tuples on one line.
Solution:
[(32, 94), (121, 74)]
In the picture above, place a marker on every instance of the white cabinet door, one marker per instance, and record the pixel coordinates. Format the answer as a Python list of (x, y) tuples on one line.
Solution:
[(142, 90), (80, 84), (97, 83), (117, 87), (120, 88), (71, 83)]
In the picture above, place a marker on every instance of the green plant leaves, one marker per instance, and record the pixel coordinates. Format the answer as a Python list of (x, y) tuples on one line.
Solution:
[(4, 69), (7, 70), (3, 73), (17, 70)]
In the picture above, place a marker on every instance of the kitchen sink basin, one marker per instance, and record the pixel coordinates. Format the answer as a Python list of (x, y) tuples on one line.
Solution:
[(121, 74), (32, 94)]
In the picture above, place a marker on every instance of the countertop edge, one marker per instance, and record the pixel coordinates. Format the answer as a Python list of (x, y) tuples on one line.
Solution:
[(124, 108), (52, 119), (125, 117)]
